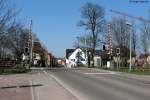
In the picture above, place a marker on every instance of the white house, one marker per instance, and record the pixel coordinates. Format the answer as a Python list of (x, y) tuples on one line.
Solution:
[(75, 57), (97, 61)]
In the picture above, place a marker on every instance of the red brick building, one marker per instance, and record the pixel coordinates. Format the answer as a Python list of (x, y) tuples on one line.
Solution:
[(51, 60)]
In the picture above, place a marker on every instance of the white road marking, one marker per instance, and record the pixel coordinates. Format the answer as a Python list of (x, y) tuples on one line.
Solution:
[(106, 73), (32, 91), (63, 85), (39, 73)]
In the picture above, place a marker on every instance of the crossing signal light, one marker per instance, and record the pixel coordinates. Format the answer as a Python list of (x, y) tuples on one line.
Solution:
[(27, 44), (26, 50), (118, 50), (104, 47)]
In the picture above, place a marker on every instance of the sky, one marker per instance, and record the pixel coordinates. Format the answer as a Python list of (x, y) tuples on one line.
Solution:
[(55, 21)]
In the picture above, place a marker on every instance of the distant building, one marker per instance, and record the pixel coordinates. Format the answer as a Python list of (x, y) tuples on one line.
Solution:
[(78, 56), (36, 59), (41, 56), (123, 58), (51, 60), (142, 60), (60, 62), (75, 57)]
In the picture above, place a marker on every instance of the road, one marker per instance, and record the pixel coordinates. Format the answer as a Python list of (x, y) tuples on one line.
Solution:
[(87, 84)]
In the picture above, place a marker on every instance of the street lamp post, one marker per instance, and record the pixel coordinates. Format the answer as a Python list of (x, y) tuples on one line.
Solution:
[(130, 25)]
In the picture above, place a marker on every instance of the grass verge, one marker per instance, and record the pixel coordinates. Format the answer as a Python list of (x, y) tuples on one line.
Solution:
[(126, 70), (16, 70)]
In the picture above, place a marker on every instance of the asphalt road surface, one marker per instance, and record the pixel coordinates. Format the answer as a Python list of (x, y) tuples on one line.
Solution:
[(87, 84)]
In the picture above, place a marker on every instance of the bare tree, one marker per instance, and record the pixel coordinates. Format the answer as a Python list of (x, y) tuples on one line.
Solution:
[(84, 41), (144, 43), (93, 20), (145, 36), (120, 32), (17, 39), (7, 16)]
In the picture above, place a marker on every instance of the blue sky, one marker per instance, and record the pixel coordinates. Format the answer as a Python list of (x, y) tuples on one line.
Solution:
[(55, 21)]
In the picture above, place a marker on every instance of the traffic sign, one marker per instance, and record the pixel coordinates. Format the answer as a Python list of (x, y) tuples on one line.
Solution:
[(118, 51), (148, 59)]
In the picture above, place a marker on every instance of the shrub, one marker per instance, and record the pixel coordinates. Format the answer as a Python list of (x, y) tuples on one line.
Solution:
[(12, 70)]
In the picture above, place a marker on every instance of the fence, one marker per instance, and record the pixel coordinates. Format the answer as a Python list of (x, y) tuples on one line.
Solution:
[(7, 63)]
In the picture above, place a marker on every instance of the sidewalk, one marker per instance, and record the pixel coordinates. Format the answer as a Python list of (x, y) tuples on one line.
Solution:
[(51, 90), (32, 86), (10, 90)]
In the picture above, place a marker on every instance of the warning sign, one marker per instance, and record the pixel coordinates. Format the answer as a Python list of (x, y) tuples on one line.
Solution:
[(148, 59)]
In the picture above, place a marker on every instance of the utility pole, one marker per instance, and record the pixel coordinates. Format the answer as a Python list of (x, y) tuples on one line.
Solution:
[(109, 44), (31, 43), (109, 39), (130, 25)]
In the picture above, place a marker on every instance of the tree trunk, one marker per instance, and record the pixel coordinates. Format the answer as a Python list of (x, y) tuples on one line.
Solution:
[(93, 52)]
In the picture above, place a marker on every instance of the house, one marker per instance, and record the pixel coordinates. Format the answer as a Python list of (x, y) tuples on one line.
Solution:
[(51, 60), (97, 60), (142, 60), (42, 57), (97, 57), (119, 57), (102, 58), (75, 57), (36, 59), (123, 56), (60, 62)]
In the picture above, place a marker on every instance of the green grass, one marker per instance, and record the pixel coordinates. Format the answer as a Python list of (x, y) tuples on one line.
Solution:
[(16, 70), (140, 72), (126, 70)]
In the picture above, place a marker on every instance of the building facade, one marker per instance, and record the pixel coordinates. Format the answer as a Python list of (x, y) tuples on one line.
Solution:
[(75, 57)]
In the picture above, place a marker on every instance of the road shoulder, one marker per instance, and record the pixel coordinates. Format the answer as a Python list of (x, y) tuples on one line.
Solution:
[(50, 88)]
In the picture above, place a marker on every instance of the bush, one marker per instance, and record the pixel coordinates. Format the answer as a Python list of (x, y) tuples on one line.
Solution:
[(16, 69)]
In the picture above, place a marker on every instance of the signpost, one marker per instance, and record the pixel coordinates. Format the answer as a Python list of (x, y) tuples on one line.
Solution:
[(118, 57), (148, 59)]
